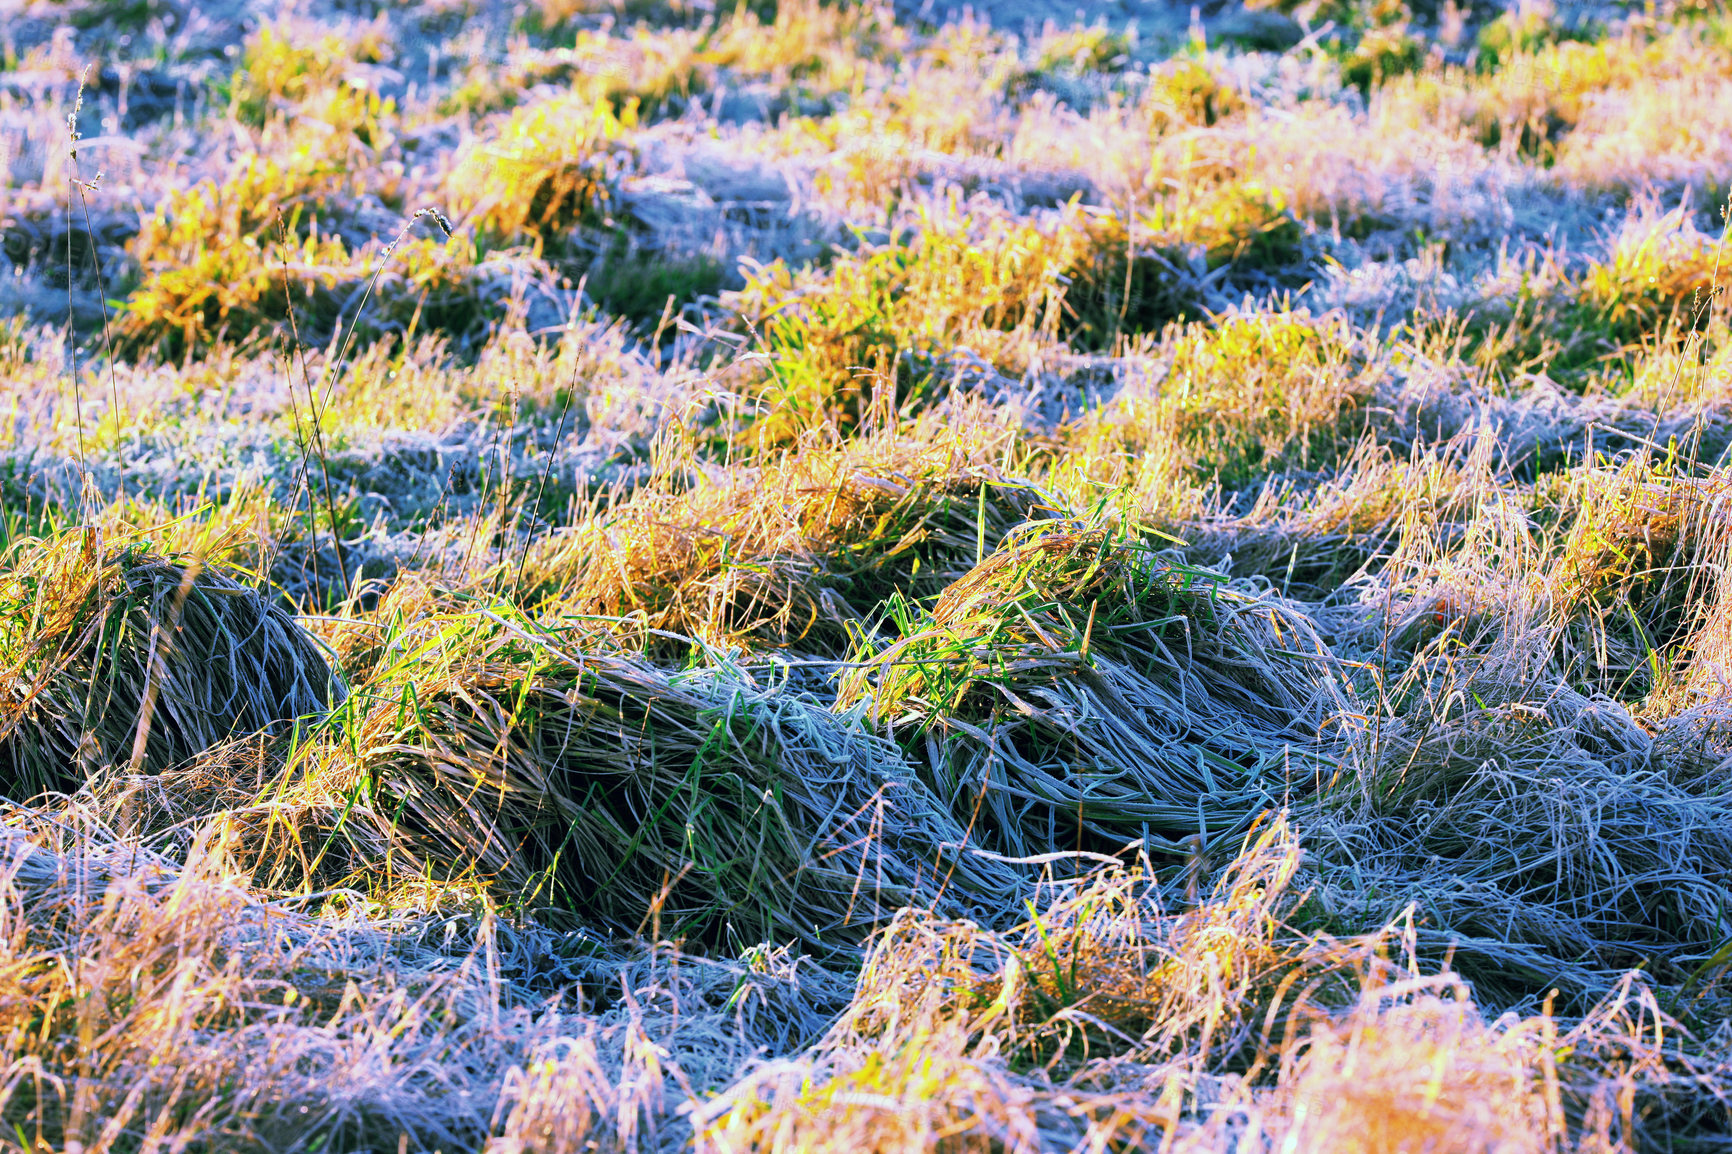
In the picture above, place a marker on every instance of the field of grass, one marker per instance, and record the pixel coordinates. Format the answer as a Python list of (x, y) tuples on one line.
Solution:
[(645, 575)]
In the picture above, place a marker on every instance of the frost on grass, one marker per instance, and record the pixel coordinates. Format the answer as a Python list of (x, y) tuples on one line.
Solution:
[(627, 576)]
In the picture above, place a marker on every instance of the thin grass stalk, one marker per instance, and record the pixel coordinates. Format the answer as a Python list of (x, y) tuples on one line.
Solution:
[(315, 419), (102, 294), (161, 646), (546, 472), (505, 489), (333, 371), (336, 366), (299, 350), (86, 497)]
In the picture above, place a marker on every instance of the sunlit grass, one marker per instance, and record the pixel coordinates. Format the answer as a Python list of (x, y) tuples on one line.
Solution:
[(796, 576)]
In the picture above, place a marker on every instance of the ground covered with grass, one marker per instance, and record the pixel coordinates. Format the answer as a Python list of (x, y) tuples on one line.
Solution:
[(649, 575)]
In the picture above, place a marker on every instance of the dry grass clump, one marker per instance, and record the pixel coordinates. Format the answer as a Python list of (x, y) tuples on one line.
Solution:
[(1421, 1073), (304, 232), (652, 70), (723, 812), (1246, 396), (130, 658), (1080, 50), (815, 47), (284, 73), (1663, 126), (1243, 225), (1075, 690), (946, 98), (1309, 542), (1102, 971), (1528, 27), (210, 263), (283, 1024), (1545, 841), (1640, 321), (1706, 678), (1118, 289), (1535, 95), (792, 554), (1180, 261), (168, 1005), (834, 337), (959, 1037), (1106, 1023), (1661, 280), (1642, 324), (1382, 54), (1008, 292), (1187, 93), (247, 803), (547, 168), (1414, 1066), (1633, 573), (150, 1005), (1260, 381)]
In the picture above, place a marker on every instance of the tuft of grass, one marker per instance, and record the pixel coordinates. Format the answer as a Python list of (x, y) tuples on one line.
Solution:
[(1382, 54), (956, 1028), (1660, 282), (1630, 577), (208, 267), (1076, 690), (794, 554), (699, 806), (991, 284), (282, 75), (1186, 93), (1245, 397), (1537, 95), (548, 168), (215, 269), (1005, 290), (127, 658), (1526, 29)]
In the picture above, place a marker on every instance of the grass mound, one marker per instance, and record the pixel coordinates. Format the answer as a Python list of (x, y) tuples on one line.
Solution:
[(833, 334), (946, 1015), (248, 802), (792, 555), (1545, 843), (1250, 395), (209, 259), (1633, 580), (101, 650), (702, 804), (551, 167), (1074, 690)]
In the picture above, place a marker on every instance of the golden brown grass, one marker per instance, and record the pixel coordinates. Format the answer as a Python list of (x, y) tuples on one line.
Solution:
[(132, 660), (788, 553), (902, 587)]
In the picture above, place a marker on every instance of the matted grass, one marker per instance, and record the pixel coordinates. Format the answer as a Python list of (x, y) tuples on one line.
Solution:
[(1075, 690), (906, 583), (131, 659), (702, 807), (791, 554)]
